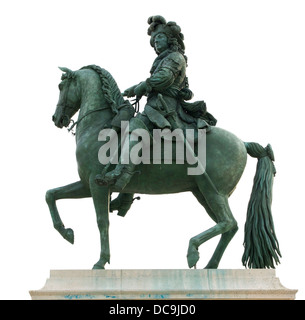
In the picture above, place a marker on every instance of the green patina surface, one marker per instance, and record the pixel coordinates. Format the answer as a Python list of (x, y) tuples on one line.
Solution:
[(94, 93)]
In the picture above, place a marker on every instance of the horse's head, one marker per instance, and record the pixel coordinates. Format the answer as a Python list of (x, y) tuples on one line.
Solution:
[(69, 99)]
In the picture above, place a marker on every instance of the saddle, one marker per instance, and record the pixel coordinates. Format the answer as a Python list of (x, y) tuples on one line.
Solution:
[(192, 116)]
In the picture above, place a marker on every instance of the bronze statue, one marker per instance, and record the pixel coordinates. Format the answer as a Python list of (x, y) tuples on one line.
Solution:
[(168, 78), (93, 91)]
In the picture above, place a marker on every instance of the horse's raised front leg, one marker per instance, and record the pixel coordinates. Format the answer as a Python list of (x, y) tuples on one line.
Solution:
[(101, 199), (74, 190)]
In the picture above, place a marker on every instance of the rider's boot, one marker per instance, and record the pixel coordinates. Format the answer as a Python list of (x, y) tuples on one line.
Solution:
[(125, 169), (127, 172), (119, 177)]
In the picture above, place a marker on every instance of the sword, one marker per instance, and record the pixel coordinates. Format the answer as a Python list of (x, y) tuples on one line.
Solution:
[(171, 119)]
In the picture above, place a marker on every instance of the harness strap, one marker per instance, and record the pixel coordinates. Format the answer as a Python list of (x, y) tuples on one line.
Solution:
[(85, 115), (126, 103)]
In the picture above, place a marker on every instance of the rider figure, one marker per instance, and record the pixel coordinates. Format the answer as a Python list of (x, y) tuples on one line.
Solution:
[(168, 78)]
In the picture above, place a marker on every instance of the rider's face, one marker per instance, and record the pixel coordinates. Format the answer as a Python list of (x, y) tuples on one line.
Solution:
[(161, 42)]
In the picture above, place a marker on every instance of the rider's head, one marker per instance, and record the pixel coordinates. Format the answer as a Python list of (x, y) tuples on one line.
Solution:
[(159, 30), (161, 42)]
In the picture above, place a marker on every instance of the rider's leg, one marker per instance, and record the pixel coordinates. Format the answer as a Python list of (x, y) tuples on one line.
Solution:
[(125, 169)]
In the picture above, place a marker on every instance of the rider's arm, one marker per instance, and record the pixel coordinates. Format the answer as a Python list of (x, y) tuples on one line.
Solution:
[(161, 80), (165, 76), (130, 92), (169, 70)]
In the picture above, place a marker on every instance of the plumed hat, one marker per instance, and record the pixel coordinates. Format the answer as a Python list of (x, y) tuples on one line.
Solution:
[(159, 25)]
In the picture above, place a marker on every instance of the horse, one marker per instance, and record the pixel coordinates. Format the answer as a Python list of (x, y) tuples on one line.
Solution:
[(93, 92)]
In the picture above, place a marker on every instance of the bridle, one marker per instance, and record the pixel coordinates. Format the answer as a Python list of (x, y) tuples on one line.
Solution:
[(75, 123), (69, 78), (65, 98), (66, 106)]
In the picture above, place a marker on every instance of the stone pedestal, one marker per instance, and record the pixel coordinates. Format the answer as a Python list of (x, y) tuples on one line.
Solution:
[(164, 284)]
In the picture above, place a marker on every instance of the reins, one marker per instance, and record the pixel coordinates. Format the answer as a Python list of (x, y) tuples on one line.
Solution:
[(112, 103), (84, 116)]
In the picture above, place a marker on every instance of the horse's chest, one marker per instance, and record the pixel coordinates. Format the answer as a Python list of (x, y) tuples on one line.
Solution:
[(87, 160)]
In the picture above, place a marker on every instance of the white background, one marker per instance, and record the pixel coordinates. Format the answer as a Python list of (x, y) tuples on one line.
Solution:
[(246, 60)]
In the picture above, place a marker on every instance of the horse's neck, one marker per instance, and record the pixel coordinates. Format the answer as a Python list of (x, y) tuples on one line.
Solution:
[(94, 111)]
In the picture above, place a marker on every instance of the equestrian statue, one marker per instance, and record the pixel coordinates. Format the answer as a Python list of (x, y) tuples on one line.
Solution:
[(103, 111)]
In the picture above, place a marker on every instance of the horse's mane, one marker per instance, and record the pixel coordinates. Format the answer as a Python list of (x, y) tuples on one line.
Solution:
[(110, 88)]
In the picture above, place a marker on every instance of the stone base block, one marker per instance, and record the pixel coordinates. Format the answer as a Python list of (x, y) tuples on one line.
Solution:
[(164, 284)]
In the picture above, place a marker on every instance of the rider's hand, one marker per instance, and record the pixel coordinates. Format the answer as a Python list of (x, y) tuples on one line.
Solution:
[(129, 92), (140, 89)]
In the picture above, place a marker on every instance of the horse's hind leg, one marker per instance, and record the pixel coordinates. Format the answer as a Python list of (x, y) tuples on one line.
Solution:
[(72, 191), (221, 247), (225, 237), (219, 211)]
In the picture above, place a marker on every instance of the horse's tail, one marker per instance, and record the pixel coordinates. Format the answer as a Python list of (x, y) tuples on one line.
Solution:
[(260, 242)]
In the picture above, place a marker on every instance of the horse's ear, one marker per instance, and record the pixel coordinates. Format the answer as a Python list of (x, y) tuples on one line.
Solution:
[(65, 69), (69, 73)]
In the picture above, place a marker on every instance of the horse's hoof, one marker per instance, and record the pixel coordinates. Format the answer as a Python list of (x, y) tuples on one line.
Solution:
[(98, 266), (211, 265), (69, 235), (192, 257)]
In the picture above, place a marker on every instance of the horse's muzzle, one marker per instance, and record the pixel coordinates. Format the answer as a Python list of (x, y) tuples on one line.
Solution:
[(61, 122)]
